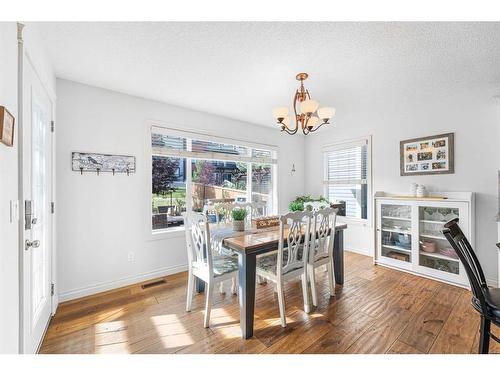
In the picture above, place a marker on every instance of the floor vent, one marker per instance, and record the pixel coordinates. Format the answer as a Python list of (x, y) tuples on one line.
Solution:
[(153, 283)]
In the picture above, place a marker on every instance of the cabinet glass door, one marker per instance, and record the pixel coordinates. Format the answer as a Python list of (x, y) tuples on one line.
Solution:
[(434, 250), (396, 232)]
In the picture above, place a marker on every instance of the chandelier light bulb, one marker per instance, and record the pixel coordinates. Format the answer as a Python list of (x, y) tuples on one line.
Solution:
[(309, 106), (280, 112), (312, 122), (326, 113)]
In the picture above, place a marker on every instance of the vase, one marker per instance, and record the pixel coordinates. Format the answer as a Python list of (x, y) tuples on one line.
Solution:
[(413, 189), (421, 191), (239, 225)]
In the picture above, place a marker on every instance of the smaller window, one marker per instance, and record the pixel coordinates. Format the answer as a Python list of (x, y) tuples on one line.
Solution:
[(346, 169)]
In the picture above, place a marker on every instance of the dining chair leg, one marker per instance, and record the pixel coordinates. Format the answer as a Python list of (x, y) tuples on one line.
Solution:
[(234, 286), (208, 304), (331, 278), (281, 303), (190, 291), (305, 293), (221, 287), (312, 278), (484, 341)]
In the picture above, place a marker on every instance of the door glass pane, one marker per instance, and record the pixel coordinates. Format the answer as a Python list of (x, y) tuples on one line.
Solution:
[(396, 232), (435, 250), (39, 263)]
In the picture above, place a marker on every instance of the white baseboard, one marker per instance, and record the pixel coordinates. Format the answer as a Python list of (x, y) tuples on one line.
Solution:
[(109, 285), (492, 283), (366, 252)]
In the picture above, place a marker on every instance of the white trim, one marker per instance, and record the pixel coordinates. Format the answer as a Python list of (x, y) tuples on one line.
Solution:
[(425, 276), (182, 131), (160, 151), (125, 281), (368, 253), (342, 145)]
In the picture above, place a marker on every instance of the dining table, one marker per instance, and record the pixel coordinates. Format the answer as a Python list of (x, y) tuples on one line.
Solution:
[(248, 245)]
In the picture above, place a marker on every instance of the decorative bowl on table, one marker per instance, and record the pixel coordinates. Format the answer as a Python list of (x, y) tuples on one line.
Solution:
[(428, 246)]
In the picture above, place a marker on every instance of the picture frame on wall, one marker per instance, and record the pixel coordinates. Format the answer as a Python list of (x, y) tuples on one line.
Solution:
[(6, 127), (427, 155)]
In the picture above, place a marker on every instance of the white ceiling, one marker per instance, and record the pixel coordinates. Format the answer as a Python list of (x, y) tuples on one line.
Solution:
[(243, 70)]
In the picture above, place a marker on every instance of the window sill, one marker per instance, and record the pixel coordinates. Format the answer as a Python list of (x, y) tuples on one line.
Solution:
[(176, 232)]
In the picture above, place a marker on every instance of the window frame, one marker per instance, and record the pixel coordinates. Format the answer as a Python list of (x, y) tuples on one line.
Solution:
[(346, 143), (190, 134)]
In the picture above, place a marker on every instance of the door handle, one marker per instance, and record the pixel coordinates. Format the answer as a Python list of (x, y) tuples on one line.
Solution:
[(34, 244)]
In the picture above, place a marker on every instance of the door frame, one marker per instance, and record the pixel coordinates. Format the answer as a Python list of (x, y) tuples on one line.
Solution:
[(24, 57)]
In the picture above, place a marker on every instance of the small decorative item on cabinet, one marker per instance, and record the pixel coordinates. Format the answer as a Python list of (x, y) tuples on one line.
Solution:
[(413, 189), (421, 191)]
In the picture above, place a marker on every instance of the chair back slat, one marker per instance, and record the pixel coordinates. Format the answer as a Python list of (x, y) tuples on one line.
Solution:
[(469, 260), (223, 212), (198, 239), (295, 229), (323, 234)]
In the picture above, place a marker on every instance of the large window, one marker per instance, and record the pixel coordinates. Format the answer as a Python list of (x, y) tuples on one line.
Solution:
[(346, 176), (191, 171)]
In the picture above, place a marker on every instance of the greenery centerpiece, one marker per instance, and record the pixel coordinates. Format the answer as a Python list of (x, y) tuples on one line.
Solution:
[(239, 214), (307, 202)]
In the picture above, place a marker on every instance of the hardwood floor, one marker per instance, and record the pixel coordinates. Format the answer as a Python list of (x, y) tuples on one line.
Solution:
[(377, 310)]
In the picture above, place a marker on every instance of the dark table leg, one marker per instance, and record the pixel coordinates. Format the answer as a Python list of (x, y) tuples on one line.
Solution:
[(246, 293), (338, 257), (200, 285)]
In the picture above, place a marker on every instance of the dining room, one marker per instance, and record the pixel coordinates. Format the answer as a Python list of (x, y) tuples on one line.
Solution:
[(206, 187)]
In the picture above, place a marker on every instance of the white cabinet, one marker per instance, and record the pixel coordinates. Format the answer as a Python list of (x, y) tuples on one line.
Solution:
[(408, 233)]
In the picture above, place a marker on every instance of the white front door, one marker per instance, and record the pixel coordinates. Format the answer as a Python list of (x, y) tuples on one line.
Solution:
[(37, 192)]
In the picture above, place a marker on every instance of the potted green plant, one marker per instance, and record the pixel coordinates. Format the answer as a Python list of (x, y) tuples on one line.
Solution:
[(239, 215)]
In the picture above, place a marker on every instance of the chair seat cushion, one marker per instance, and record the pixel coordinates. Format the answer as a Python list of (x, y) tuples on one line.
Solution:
[(492, 298), (228, 252), (268, 263), (223, 264)]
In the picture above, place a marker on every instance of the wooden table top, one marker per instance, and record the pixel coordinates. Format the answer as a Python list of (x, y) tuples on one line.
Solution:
[(264, 238)]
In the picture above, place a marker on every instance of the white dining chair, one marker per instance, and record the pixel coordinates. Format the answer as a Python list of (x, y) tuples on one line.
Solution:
[(290, 261), (203, 263), (321, 248)]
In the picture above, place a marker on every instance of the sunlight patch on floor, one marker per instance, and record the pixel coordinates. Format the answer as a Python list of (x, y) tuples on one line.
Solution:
[(171, 331), (111, 337)]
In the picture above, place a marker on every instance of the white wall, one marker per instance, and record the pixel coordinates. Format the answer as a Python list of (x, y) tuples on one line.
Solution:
[(9, 275), (102, 218), (394, 116)]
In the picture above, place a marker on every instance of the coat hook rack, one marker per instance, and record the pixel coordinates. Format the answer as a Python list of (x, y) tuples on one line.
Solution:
[(92, 162)]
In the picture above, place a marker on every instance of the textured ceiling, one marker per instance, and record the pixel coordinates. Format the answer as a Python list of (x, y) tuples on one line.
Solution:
[(243, 70)]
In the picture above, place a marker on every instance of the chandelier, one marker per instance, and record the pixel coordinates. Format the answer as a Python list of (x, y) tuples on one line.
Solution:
[(308, 116)]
